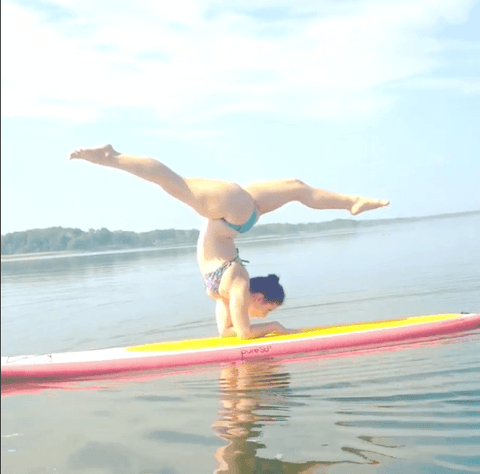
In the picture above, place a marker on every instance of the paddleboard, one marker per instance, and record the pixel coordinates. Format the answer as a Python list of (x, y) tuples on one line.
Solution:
[(70, 365)]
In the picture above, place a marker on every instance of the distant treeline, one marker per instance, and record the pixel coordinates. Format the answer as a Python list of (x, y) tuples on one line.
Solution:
[(57, 239)]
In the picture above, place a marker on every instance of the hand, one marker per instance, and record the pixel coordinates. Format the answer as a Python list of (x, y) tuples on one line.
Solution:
[(283, 330), (294, 331)]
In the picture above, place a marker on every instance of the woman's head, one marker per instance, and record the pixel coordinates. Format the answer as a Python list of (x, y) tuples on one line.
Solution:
[(269, 287), (266, 294)]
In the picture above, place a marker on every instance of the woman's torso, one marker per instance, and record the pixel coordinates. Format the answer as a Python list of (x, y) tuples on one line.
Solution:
[(216, 245)]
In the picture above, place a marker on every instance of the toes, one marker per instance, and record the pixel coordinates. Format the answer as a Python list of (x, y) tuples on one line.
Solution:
[(76, 154), (94, 153), (368, 205)]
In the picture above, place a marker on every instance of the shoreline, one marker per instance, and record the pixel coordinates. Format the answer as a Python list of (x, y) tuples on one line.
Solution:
[(266, 232)]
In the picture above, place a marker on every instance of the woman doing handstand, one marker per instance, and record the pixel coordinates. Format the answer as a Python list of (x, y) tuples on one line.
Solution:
[(228, 210)]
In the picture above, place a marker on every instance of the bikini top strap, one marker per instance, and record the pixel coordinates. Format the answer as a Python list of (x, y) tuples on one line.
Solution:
[(240, 260)]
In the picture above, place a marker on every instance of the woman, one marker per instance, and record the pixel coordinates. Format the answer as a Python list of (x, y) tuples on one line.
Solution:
[(230, 210)]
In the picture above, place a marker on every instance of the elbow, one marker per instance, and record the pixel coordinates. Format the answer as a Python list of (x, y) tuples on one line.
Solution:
[(227, 332), (245, 335), (241, 334)]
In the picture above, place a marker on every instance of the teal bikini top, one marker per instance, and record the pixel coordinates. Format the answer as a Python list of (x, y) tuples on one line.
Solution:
[(246, 226)]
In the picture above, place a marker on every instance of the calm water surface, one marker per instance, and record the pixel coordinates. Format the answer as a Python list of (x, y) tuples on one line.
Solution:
[(414, 408)]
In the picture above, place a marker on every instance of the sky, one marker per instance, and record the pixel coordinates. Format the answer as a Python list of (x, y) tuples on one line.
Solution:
[(372, 98)]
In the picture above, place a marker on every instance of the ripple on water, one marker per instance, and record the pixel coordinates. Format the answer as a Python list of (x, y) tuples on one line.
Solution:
[(422, 403)]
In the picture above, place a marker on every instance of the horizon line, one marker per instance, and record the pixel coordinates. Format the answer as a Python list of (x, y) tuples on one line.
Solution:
[(450, 214)]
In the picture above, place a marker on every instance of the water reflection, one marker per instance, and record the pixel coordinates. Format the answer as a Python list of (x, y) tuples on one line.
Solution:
[(374, 431), (253, 395), (349, 415)]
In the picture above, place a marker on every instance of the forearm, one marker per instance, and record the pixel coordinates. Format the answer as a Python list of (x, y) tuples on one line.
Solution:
[(258, 330), (262, 329)]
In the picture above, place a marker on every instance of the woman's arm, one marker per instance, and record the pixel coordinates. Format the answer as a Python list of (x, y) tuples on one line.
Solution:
[(239, 294), (238, 306), (260, 330)]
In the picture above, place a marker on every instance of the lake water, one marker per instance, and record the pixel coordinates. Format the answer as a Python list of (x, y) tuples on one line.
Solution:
[(414, 408)]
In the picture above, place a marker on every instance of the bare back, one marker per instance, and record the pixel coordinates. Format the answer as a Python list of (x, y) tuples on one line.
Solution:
[(215, 246)]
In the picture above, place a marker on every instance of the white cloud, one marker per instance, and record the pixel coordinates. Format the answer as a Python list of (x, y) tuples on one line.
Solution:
[(199, 58)]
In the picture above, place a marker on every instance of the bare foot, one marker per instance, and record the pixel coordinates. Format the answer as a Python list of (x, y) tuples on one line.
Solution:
[(362, 204), (102, 156)]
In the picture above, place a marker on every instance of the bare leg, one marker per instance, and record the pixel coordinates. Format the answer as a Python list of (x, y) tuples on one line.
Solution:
[(212, 199), (271, 195)]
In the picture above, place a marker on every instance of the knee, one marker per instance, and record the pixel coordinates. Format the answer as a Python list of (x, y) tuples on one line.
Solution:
[(293, 184), (296, 182), (301, 191), (297, 187)]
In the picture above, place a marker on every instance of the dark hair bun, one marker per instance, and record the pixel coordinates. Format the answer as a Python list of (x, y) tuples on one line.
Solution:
[(273, 278), (269, 286)]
